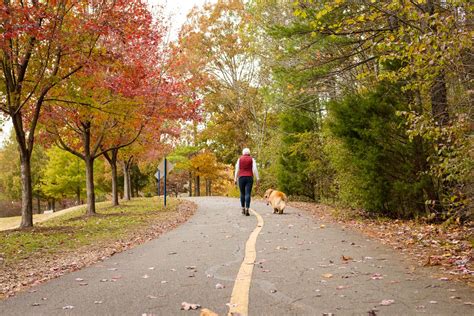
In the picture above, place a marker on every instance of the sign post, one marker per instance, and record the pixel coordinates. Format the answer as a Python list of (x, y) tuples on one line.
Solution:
[(164, 183), (163, 168)]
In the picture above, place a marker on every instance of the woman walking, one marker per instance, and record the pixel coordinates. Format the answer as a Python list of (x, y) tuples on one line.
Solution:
[(245, 170)]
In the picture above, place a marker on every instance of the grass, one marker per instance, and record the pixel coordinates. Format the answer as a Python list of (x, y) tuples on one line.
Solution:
[(74, 230)]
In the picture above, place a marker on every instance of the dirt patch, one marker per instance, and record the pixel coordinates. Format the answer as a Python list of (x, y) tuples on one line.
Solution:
[(44, 266), (450, 249)]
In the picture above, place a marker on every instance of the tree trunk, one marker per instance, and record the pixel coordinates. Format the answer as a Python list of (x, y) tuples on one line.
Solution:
[(112, 159), (38, 204), (115, 199), (197, 189), (53, 204), (190, 183), (90, 185), (129, 182), (132, 184), (25, 170), (126, 181), (26, 190), (78, 195), (439, 100)]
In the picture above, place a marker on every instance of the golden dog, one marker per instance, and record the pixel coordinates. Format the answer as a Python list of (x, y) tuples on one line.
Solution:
[(277, 199)]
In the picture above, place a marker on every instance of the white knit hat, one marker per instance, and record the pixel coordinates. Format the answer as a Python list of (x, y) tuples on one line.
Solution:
[(246, 151)]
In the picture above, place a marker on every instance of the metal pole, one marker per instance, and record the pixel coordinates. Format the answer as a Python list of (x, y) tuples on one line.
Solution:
[(164, 183)]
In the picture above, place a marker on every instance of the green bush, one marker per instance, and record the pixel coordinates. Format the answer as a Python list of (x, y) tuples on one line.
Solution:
[(375, 160)]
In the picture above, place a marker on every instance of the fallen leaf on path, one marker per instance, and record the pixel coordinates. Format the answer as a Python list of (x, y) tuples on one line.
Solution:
[(372, 312), (68, 307), (83, 284), (103, 280), (146, 276), (151, 296), (98, 302), (265, 270), (433, 302), (151, 268), (230, 305), (346, 258), (207, 312), (219, 286), (377, 276), (327, 275), (188, 306), (342, 287), (209, 275), (79, 279), (163, 282), (322, 226), (190, 267), (387, 302), (468, 303), (273, 291), (172, 253), (112, 269), (35, 304), (454, 297)]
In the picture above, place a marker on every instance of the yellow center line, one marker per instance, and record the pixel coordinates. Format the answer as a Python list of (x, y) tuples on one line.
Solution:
[(239, 301)]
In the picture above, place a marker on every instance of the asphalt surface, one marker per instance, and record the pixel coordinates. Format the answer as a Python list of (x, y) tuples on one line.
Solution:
[(299, 271)]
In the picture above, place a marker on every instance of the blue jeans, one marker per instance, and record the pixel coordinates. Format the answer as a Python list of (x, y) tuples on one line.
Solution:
[(245, 186)]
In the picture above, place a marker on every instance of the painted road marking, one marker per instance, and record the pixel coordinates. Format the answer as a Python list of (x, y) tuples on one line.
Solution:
[(239, 301)]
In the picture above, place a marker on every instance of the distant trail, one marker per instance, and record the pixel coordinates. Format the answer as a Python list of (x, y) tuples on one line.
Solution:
[(296, 268), (8, 223)]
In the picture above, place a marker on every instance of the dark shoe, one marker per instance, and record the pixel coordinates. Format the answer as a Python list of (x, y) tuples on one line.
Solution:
[(243, 210), (247, 212)]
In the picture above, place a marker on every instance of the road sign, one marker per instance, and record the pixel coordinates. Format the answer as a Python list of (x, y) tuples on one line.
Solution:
[(161, 168)]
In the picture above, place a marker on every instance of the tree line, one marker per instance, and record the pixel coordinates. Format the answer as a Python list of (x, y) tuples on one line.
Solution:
[(93, 78), (362, 103)]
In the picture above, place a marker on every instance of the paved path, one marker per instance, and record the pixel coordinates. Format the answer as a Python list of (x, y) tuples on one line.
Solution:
[(7, 223), (299, 271)]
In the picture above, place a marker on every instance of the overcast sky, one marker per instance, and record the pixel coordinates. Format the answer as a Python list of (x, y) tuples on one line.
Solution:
[(177, 9)]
